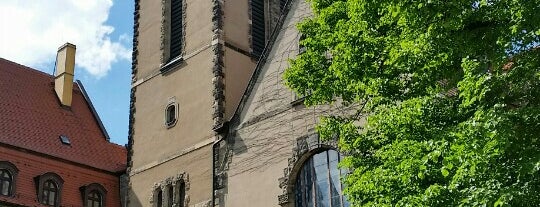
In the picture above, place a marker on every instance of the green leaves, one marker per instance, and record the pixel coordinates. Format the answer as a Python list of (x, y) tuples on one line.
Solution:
[(452, 93)]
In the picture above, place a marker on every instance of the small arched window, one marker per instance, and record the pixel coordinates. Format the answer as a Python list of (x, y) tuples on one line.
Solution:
[(6, 182), (94, 199), (169, 194), (318, 183), (160, 198), (8, 178), (180, 193), (93, 195), (49, 196), (49, 187)]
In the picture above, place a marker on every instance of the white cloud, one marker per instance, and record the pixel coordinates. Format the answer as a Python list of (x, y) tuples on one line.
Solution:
[(32, 31)]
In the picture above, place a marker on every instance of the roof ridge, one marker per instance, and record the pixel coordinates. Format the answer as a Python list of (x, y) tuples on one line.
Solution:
[(24, 67)]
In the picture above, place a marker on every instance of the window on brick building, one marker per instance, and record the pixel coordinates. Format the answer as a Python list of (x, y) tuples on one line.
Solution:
[(49, 187), (94, 199), (8, 175), (6, 181), (49, 194), (93, 195)]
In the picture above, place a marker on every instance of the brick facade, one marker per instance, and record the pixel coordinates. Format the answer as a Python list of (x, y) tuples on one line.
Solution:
[(75, 176)]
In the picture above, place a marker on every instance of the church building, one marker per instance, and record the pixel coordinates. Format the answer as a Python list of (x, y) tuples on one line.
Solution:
[(211, 122)]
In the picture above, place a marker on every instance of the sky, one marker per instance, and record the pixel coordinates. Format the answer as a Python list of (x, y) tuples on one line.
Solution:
[(102, 30)]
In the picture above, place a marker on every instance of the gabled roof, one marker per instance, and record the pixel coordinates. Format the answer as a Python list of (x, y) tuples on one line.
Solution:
[(32, 118)]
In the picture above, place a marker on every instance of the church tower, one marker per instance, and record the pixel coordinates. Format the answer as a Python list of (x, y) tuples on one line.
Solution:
[(192, 60)]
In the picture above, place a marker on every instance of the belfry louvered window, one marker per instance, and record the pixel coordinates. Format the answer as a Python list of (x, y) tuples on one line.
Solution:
[(176, 29), (258, 36)]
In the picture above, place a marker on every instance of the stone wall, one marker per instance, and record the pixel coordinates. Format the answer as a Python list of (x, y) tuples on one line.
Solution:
[(266, 136)]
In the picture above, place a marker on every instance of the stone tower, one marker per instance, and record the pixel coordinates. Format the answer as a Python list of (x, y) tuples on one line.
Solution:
[(192, 60)]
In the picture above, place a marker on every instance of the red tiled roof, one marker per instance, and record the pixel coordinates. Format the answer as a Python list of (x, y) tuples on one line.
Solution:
[(32, 118)]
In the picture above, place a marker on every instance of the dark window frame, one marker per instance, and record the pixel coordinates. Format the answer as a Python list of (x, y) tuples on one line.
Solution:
[(179, 193), (309, 175), (159, 197), (177, 31), (49, 187), (172, 194), (258, 27), (12, 171), (171, 114), (40, 185), (173, 35), (87, 190)]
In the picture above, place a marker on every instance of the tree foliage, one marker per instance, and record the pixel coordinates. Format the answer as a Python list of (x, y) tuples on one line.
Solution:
[(451, 91)]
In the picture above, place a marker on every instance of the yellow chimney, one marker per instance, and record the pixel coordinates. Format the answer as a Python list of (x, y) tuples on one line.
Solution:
[(65, 66)]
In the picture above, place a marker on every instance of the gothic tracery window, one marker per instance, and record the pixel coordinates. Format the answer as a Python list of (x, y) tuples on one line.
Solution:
[(318, 183)]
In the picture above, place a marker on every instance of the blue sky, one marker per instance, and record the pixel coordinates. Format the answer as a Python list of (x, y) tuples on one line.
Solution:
[(110, 94), (102, 31)]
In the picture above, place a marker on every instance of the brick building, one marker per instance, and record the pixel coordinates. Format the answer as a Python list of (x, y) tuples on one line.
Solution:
[(54, 150)]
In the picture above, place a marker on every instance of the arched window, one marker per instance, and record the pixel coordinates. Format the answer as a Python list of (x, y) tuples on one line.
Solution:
[(6, 181), (50, 193), (180, 193), (170, 192), (318, 182), (94, 199), (8, 178), (160, 198), (93, 195), (170, 195), (49, 187)]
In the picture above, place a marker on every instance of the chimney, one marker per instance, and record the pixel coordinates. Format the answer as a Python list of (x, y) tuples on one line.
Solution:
[(63, 80)]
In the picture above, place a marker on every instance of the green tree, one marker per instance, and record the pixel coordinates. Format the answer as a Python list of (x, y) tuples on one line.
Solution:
[(451, 91)]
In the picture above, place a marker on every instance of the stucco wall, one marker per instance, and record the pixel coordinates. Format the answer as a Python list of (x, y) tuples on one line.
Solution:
[(196, 169), (160, 152), (238, 70), (268, 126), (265, 137), (191, 87), (236, 27)]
